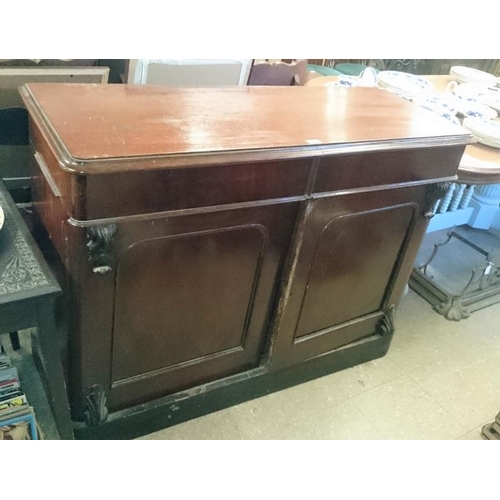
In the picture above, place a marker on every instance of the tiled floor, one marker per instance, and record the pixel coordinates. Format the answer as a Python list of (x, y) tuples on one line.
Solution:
[(440, 380)]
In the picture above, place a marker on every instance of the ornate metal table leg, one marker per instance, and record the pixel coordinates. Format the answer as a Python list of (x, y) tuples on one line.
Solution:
[(492, 431), (481, 290)]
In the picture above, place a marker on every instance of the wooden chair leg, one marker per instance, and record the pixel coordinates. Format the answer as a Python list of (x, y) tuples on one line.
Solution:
[(14, 340)]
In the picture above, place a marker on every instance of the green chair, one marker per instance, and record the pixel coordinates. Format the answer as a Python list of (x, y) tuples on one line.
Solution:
[(352, 69), (323, 70)]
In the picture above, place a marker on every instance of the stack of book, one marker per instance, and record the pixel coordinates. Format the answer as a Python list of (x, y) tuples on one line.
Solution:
[(17, 418), (492, 431)]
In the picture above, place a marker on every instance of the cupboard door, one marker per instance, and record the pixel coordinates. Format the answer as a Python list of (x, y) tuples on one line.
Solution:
[(188, 301), (354, 259)]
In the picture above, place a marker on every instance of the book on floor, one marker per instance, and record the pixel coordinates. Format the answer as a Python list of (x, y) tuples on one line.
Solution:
[(19, 427), (17, 417)]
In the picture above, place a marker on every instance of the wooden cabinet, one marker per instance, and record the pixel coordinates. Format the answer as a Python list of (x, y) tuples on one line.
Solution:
[(219, 244)]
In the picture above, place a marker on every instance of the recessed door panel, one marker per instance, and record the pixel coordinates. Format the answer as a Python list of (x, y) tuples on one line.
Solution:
[(352, 266), (185, 298)]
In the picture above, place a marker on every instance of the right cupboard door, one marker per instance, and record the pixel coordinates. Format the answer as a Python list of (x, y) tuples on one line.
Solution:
[(355, 254)]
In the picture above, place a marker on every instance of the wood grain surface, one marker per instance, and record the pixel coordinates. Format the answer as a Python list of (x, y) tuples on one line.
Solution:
[(98, 122)]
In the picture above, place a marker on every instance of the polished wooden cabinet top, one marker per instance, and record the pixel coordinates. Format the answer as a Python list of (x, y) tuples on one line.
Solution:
[(95, 122)]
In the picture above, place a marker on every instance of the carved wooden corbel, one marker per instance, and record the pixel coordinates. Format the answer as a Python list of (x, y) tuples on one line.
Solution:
[(434, 193), (386, 325), (95, 412), (99, 246)]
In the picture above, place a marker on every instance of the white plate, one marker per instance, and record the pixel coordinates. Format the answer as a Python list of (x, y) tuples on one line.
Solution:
[(403, 82), (492, 103), (489, 96), (470, 91), (438, 100), (485, 141), (2, 217), (487, 137), (474, 109), (485, 128), (442, 112), (478, 92), (471, 75)]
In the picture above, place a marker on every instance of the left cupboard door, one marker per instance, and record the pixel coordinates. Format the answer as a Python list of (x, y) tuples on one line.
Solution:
[(187, 300)]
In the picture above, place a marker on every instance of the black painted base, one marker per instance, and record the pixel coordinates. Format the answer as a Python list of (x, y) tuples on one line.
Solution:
[(175, 409)]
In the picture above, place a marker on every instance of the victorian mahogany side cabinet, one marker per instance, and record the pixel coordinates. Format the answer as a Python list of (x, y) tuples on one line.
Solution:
[(222, 243)]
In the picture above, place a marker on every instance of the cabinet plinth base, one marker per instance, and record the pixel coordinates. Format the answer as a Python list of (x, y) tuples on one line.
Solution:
[(178, 408)]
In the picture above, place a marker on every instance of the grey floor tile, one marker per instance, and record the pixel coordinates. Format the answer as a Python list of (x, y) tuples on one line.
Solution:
[(216, 426), (465, 393), (423, 337), (303, 400), (254, 421), (420, 349), (474, 435), (367, 376), (343, 421), (475, 338), (401, 409), (418, 341), (490, 368), (248, 420)]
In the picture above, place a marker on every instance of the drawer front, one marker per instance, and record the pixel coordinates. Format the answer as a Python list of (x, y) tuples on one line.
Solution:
[(354, 171), (141, 192)]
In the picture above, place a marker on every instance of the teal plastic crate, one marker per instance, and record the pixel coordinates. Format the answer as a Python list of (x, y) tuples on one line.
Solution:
[(323, 70), (352, 69)]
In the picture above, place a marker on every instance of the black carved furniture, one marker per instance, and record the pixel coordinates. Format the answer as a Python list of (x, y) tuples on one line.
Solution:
[(219, 244), (27, 293), (14, 151)]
